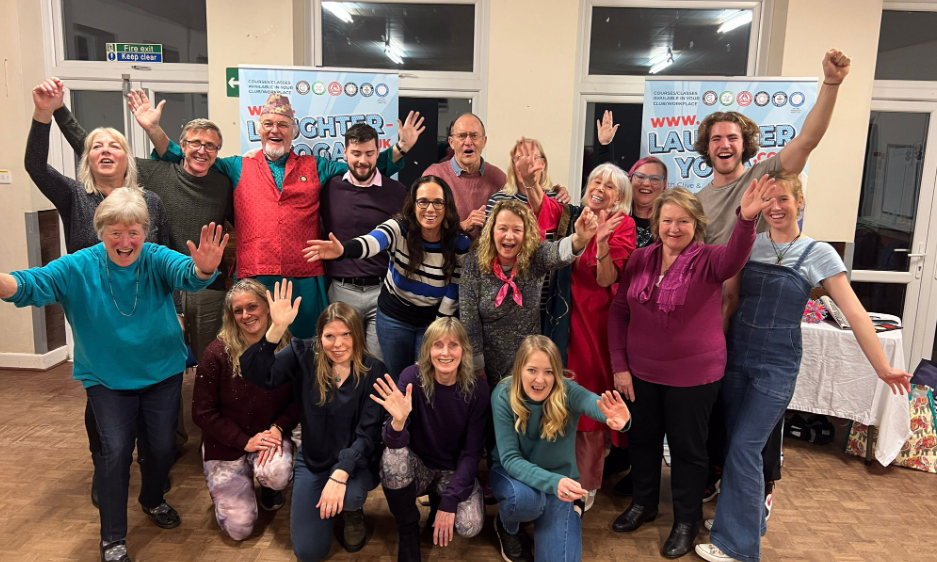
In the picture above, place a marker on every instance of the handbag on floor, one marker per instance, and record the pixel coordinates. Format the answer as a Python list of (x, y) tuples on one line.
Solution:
[(920, 451)]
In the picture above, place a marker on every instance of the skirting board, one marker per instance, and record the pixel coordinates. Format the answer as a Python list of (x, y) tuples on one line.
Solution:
[(33, 361)]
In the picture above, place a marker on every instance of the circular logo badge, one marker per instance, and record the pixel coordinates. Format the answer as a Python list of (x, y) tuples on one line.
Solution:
[(726, 98), (762, 98), (779, 99), (381, 90), (367, 89), (335, 88), (744, 98), (351, 89), (318, 88), (302, 87), (710, 98), (797, 99)]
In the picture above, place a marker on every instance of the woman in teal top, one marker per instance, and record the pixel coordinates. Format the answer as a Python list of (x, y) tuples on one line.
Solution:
[(129, 352), (533, 471)]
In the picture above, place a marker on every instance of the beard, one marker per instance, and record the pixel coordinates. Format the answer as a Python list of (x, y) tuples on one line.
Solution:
[(362, 177), (275, 153)]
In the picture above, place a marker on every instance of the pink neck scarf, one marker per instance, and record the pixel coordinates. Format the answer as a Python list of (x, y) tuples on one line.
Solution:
[(508, 283)]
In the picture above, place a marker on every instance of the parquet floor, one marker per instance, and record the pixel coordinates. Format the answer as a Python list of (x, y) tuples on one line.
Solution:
[(828, 507)]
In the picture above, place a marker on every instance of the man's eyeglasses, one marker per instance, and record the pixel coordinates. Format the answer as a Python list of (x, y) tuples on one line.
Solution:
[(653, 179), (278, 125), (463, 136), (198, 145), (424, 203)]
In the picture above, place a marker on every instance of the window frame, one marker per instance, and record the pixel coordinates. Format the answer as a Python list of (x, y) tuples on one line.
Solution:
[(906, 90)]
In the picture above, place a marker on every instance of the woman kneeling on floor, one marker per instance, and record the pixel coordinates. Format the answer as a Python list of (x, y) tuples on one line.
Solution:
[(434, 439), (244, 430), (336, 465), (533, 471)]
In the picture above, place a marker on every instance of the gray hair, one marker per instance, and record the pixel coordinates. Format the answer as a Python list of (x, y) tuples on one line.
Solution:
[(200, 124), (619, 179), (122, 206), (84, 165)]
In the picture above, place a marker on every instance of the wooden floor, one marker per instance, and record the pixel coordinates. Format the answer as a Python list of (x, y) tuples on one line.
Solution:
[(828, 506)]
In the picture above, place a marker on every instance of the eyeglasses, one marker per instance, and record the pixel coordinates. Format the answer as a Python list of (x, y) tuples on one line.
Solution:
[(198, 145), (424, 203), (463, 136), (653, 179), (278, 125)]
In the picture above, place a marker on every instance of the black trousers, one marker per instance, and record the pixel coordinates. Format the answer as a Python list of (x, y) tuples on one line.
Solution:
[(682, 413), (716, 445)]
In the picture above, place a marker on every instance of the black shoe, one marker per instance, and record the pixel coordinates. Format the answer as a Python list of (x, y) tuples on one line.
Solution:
[(163, 515), (633, 517), (115, 552), (270, 499), (680, 540), (513, 547), (625, 486), (354, 533)]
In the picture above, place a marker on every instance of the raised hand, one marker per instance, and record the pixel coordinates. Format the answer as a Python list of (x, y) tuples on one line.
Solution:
[(587, 224), (525, 162), (836, 66), (282, 308), (475, 218), (624, 385), (569, 490), (758, 197), (49, 96), (615, 410), (607, 225), (898, 379), (210, 249), (397, 404), (323, 249), (143, 111), (409, 131), (606, 128)]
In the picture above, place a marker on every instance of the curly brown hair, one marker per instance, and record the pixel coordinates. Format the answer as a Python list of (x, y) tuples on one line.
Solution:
[(751, 134)]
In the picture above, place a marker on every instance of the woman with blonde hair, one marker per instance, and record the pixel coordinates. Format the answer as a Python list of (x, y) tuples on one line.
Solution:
[(331, 376), (517, 188), (434, 437), (245, 430), (500, 286), (533, 473)]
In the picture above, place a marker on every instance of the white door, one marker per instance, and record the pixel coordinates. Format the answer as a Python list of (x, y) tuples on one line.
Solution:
[(894, 249)]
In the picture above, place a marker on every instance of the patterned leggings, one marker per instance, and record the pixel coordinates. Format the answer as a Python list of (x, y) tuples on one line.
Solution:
[(400, 467), (231, 485)]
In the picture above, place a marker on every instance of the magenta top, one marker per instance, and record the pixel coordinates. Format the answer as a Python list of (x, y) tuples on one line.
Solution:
[(671, 333)]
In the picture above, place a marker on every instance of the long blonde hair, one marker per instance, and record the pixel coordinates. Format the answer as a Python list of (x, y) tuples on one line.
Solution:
[(341, 312), (485, 250), (84, 165), (465, 378), (555, 413), (230, 334), (545, 183)]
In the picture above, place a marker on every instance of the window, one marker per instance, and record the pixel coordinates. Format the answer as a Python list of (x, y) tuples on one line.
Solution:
[(906, 46), (438, 114)]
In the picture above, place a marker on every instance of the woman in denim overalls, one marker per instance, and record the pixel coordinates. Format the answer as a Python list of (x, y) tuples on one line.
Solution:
[(764, 351)]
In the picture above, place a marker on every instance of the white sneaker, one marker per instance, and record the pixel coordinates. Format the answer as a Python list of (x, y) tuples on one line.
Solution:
[(708, 524), (769, 499), (712, 553), (666, 451), (590, 499)]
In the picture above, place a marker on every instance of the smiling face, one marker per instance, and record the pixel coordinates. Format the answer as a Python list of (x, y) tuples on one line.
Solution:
[(467, 140), (446, 356), (508, 235), (784, 209), (538, 376), (107, 158), (251, 314), (430, 218), (337, 342), (602, 194), (123, 242), (676, 227), (199, 160), (726, 147), (362, 159), (276, 134), (646, 184)]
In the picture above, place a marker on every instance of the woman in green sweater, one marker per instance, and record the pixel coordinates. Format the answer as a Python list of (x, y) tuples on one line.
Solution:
[(129, 353), (533, 471)]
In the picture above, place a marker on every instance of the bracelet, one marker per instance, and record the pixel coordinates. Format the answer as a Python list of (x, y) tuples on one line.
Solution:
[(336, 480), (400, 150), (832, 83), (280, 429), (603, 256)]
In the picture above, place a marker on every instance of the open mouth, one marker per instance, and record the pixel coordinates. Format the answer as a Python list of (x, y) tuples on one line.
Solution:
[(538, 389), (468, 151), (508, 247), (104, 161), (199, 158), (429, 219), (725, 156), (446, 361), (645, 191), (596, 199), (124, 252)]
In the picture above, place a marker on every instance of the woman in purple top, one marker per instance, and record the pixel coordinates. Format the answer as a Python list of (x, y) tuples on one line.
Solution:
[(434, 440), (668, 349)]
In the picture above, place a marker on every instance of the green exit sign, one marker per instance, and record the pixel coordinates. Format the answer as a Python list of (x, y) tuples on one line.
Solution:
[(134, 52), (231, 82)]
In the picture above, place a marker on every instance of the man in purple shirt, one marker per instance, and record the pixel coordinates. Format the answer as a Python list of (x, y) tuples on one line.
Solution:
[(353, 205)]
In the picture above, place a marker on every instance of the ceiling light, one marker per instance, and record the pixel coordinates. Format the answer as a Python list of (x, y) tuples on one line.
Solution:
[(337, 10), (738, 20)]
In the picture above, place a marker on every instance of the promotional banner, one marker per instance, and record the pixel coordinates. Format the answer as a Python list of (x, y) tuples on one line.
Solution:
[(326, 103), (673, 110)]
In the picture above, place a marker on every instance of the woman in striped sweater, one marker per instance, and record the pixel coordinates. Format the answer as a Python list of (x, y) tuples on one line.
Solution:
[(427, 246)]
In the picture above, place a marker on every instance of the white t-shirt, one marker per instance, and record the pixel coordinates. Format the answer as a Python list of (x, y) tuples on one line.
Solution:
[(821, 263)]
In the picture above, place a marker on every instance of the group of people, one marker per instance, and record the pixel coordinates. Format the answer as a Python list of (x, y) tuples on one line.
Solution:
[(378, 334)]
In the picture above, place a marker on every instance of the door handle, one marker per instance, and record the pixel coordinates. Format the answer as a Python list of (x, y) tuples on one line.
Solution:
[(903, 250)]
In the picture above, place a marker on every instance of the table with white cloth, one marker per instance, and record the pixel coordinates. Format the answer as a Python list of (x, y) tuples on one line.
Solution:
[(837, 380)]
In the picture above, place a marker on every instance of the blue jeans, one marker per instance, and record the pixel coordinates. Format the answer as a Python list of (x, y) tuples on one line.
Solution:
[(557, 526), (116, 414), (312, 535), (400, 343)]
